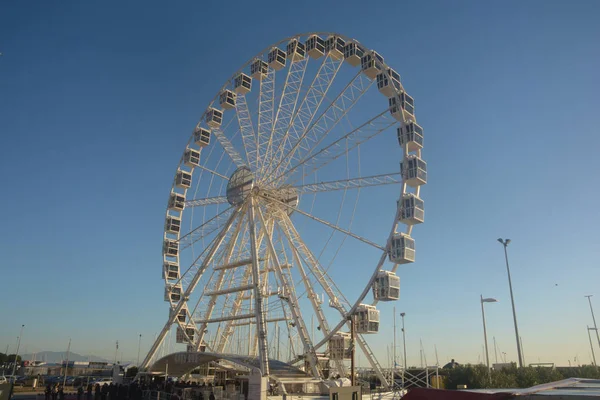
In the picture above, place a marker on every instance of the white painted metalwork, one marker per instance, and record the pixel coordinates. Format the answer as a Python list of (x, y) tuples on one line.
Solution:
[(237, 271)]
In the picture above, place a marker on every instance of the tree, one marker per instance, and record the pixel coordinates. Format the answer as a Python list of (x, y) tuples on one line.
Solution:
[(132, 372), (11, 358), (3, 358)]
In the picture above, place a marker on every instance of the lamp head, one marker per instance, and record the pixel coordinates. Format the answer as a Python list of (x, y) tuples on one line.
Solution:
[(507, 241), (489, 300), (500, 240), (402, 314)]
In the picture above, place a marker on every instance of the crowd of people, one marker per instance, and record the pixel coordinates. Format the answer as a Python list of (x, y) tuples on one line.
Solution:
[(132, 391)]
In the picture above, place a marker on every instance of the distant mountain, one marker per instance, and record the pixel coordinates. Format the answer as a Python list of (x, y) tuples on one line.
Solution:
[(58, 356)]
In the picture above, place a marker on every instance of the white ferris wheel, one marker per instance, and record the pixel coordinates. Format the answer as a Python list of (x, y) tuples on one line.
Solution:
[(264, 219)]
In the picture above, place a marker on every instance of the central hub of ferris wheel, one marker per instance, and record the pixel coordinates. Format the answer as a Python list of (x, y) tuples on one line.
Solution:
[(240, 186), (242, 183)]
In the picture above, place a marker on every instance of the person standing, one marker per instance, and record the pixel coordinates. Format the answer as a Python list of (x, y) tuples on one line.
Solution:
[(47, 392)]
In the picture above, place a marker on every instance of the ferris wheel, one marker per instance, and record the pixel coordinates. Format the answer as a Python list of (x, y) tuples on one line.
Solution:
[(265, 237)]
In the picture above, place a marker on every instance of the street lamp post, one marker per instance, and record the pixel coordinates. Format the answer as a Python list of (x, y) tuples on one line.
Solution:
[(512, 300), (404, 340), (593, 317), (17, 354), (487, 354)]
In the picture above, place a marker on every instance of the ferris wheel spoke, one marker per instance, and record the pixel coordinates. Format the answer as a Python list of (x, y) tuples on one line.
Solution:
[(306, 112), (266, 100), (328, 120), (228, 147), (285, 111), (206, 201), (343, 145), (215, 173), (206, 228), (292, 301), (247, 130), (328, 224), (354, 183)]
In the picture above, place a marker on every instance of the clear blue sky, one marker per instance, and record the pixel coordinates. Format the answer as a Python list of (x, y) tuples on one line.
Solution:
[(97, 101)]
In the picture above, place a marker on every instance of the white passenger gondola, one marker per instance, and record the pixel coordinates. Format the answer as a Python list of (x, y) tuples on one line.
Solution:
[(172, 224), (258, 69), (242, 83), (412, 209), (170, 271), (334, 45), (340, 346), (386, 286), (366, 319), (402, 250), (214, 117), (182, 315), (353, 53), (191, 158), (183, 179), (371, 64), (180, 335), (170, 248), (176, 202), (388, 86), (227, 99), (410, 135), (402, 107), (315, 46), (173, 292), (202, 137), (295, 50), (276, 58), (413, 170)]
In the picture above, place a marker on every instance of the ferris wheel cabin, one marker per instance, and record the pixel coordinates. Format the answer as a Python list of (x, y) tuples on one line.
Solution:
[(173, 224), (414, 170), (402, 250), (339, 346), (388, 86), (276, 58), (170, 271), (214, 117), (412, 209), (180, 335), (367, 319), (183, 179), (353, 53), (173, 292), (170, 248), (176, 202), (258, 69), (182, 315), (402, 107), (191, 158), (242, 84), (227, 100), (386, 286), (315, 46), (295, 50), (202, 137), (368, 64), (334, 46), (410, 135)]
